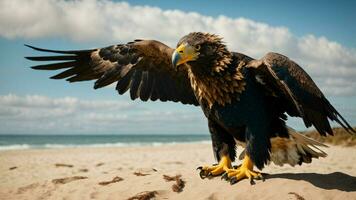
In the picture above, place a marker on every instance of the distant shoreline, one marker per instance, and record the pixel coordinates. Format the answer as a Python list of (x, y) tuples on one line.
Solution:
[(104, 145), (13, 142), (60, 141)]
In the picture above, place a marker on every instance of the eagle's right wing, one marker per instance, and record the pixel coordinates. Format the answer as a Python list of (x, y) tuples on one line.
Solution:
[(143, 67), (297, 92)]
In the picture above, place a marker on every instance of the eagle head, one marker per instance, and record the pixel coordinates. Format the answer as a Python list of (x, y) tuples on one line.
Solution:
[(202, 52)]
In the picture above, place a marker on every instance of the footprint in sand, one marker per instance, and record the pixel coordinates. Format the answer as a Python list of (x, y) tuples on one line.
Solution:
[(146, 195), (83, 170), (144, 171), (174, 163), (179, 185), (27, 188), (114, 180), (68, 179), (297, 196), (63, 165), (140, 174)]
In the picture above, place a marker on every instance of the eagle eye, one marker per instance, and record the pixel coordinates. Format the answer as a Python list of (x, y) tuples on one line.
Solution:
[(197, 47)]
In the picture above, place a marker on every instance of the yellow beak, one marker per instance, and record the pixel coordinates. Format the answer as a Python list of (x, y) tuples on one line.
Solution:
[(184, 53)]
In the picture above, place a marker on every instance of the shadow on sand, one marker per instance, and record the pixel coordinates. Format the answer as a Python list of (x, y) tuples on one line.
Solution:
[(336, 180)]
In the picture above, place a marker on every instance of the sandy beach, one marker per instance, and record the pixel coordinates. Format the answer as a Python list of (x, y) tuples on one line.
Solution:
[(125, 172)]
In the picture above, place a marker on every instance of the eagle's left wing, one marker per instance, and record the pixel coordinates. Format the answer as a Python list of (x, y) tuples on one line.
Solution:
[(297, 91), (144, 67)]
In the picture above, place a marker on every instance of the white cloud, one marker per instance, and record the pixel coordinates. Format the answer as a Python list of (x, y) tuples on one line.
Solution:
[(331, 65), (42, 114), (39, 101)]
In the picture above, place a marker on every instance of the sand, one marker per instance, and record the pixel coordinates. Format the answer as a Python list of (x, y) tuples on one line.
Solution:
[(122, 173)]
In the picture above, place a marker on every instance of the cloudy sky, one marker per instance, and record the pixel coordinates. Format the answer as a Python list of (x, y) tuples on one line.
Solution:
[(319, 36)]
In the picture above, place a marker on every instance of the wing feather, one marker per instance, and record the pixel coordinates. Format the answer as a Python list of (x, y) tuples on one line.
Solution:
[(145, 89), (51, 58), (55, 66), (298, 93), (65, 74), (124, 84), (135, 84), (142, 66), (154, 93)]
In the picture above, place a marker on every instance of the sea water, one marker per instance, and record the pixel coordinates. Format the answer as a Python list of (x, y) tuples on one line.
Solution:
[(8, 142)]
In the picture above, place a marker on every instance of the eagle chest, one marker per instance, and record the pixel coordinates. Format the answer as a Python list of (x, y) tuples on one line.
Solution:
[(219, 89)]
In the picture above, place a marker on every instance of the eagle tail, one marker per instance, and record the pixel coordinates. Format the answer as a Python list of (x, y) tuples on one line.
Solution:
[(295, 150)]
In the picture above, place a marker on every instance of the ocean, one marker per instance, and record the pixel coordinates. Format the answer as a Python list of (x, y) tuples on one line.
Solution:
[(9, 142)]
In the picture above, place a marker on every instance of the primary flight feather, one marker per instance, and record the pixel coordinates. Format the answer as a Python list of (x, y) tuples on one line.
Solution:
[(246, 101)]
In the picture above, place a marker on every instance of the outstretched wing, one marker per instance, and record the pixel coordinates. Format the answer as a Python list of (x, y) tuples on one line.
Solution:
[(296, 91), (143, 67)]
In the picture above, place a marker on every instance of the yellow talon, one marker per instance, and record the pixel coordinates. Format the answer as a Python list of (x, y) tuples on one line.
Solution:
[(223, 166), (244, 171)]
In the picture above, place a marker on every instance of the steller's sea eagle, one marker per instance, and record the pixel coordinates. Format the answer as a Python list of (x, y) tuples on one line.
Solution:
[(246, 101)]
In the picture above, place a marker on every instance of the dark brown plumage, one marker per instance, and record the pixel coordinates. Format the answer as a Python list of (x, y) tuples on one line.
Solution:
[(142, 66), (245, 100)]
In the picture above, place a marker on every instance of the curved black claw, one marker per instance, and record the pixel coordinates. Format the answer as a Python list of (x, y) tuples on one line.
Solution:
[(210, 175), (225, 176), (252, 182), (262, 178), (233, 180), (202, 174), (205, 173)]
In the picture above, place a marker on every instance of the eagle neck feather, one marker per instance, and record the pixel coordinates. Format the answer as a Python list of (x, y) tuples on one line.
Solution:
[(221, 86)]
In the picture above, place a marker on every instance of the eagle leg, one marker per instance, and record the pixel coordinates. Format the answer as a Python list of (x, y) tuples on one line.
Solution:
[(224, 151), (223, 166), (245, 170)]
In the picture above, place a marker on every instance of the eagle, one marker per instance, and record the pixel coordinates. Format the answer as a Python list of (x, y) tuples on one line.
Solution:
[(246, 101)]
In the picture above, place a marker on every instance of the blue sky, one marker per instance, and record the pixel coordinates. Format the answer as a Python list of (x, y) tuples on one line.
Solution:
[(301, 17), (317, 35)]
